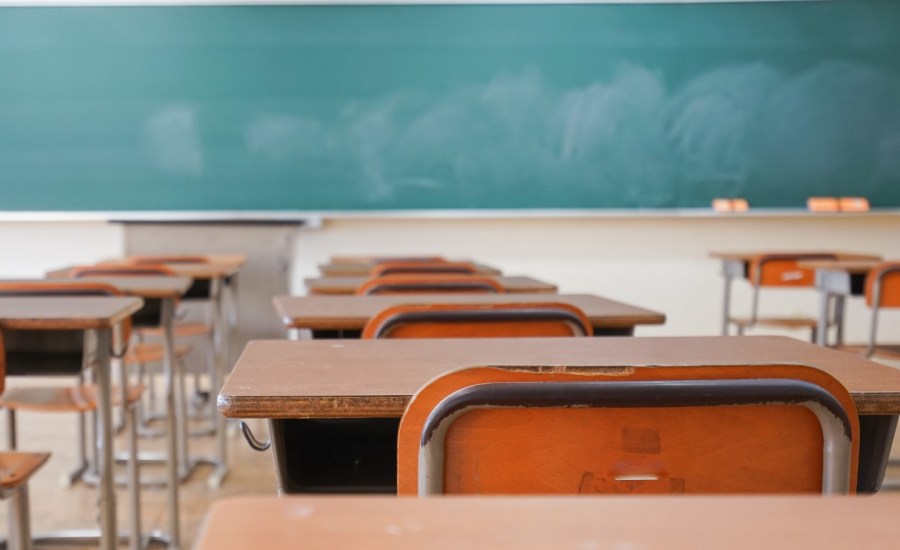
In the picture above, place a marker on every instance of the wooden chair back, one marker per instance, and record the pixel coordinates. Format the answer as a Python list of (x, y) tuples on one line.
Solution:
[(429, 284), (409, 259), (158, 260), (708, 429), (478, 321), (2, 364), (120, 270), (782, 269), (883, 285), (423, 268)]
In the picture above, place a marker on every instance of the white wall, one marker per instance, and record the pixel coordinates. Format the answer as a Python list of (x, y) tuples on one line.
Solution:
[(658, 262), (29, 249)]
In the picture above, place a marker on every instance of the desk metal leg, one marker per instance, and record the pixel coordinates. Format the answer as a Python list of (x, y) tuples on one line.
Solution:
[(839, 304), (107, 494), (170, 373), (726, 304), (822, 326), (220, 324)]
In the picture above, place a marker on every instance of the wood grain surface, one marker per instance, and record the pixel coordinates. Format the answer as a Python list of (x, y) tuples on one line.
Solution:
[(376, 378), (348, 285), (352, 312), (58, 313), (615, 522)]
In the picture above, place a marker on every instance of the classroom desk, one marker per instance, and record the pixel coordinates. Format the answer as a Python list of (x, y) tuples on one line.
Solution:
[(836, 280), (349, 285), (160, 295), (736, 265), (209, 281), (345, 316), (523, 522), (97, 315), (363, 268), (367, 384)]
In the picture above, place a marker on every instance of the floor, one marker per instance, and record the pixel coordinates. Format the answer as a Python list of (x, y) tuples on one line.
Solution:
[(57, 506)]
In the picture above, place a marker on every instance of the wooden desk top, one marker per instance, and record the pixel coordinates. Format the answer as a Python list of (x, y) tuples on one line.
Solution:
[(222, 259), (362, 269), (376, 378), (144, 287), (348, 285), (856, 267), (66, 313), (615, 522), (746, 256), (374, 258), (226, 268), (353, 312)]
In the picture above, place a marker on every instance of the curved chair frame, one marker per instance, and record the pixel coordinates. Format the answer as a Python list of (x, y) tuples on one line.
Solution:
[(422, 284), (444, 400), (424, 268), (875, 298), (158, 260), (120, 270), (498, 320)]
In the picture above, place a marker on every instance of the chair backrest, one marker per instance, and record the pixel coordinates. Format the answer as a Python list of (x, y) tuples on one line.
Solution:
[(429, 284), (120, 270), (883, 285), (157, 260), (423, 268), (2, 364), (709, 429), (56, 352), (409, 259), (782, 269), (478, 321)]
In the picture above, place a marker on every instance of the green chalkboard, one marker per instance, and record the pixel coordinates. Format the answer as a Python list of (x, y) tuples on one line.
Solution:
[(322, 108)]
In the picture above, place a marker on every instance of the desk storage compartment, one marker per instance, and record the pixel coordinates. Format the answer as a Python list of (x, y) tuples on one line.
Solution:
[(355, 455), (150, 315), (200, 289), (44, 352)]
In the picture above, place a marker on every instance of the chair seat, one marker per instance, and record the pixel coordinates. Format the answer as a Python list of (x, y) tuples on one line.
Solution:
[(16, 468), (186, 330), (61, 399), (151, 353), (887, 351), (780, 322)]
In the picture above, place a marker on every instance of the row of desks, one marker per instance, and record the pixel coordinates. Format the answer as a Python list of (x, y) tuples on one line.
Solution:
[(292, 382), (155, 298), (368, 384)]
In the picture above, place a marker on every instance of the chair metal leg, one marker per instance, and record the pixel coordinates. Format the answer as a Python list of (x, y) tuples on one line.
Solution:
[(19, 520), (11, 429), (134, 481)]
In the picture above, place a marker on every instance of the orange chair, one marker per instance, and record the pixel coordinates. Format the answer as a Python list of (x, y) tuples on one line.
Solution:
[(661, 430), (425, 284), (15, 471), (478, 321), (882, 291), (158, 260), (81, 398), (423, 268), (780, 271)]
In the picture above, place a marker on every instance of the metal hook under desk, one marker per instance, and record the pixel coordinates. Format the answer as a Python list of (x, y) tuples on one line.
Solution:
[(254, 443)]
